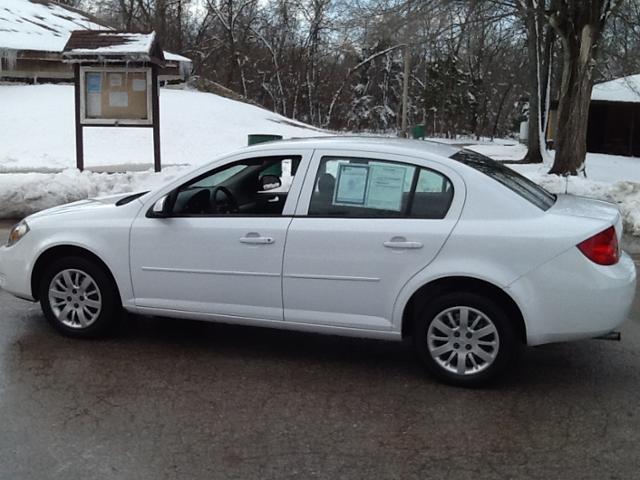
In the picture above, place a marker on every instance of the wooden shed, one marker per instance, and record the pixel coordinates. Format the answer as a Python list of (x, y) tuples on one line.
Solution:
[(33, 34), (614, 118)]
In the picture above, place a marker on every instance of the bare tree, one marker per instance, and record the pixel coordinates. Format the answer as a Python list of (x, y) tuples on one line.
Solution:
[(579, 25)]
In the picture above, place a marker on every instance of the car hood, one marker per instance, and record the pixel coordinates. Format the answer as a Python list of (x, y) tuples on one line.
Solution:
[(108, 201)]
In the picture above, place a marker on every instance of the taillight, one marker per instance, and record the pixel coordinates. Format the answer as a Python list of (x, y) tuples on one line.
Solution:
[(602, 248)]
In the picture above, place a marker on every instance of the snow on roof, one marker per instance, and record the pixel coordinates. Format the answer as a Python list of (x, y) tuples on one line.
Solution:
[(39, 25), (43, 25), (105, 43), (174, 57), (625, 89)]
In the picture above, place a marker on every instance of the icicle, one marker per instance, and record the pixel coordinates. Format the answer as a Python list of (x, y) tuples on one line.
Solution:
[(9, 57)]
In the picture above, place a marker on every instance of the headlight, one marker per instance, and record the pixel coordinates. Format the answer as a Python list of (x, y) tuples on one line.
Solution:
[(17, 232)]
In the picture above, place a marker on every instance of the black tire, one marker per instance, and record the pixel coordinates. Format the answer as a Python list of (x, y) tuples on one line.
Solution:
[(110, 311), (477, 375)]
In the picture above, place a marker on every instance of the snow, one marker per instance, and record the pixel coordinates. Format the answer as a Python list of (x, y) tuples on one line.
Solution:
[(625, 89), (44, 27), (134, 43), (174, 57), (509, 152), (24, 193), (36, 26), (37, 130), (37, 144)]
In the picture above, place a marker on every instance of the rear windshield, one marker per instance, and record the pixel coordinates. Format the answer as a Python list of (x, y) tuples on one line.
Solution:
[(511, 179)]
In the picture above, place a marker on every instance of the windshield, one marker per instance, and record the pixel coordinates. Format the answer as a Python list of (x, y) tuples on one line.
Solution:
[(511, 179)]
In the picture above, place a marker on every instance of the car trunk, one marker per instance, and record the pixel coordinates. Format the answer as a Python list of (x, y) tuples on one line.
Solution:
[(575, 206)]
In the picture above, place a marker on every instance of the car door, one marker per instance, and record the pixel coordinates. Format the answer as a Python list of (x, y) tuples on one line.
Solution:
[(218, 263), (365, 224)]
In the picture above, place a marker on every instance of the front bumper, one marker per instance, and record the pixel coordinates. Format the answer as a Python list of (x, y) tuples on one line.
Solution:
[(571, 298), (15, 270)]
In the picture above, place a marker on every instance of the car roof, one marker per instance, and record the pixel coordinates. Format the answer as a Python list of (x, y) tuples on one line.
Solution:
[(390, 145)]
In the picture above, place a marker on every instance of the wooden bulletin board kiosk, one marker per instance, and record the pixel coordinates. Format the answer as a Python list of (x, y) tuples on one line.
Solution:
[(116, 83)]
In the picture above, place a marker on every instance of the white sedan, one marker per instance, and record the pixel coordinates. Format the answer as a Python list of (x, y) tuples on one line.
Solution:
[(376, 238)]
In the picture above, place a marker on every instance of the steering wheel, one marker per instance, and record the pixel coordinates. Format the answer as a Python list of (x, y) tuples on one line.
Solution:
[(229, 206)]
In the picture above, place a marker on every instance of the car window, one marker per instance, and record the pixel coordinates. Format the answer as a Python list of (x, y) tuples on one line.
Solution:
[(511, 179), (255, 186), (359, 187)]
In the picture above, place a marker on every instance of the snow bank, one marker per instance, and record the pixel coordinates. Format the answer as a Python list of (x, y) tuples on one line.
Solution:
[(24, 193)]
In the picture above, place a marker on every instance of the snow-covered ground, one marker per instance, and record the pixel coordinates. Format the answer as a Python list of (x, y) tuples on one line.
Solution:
[(37, 130)]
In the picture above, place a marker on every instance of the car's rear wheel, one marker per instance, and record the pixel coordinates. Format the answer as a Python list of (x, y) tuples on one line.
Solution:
[(464, 338), (79, 298)]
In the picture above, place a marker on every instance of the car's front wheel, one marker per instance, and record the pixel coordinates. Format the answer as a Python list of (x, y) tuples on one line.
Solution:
[(464, 338), (79, 298)]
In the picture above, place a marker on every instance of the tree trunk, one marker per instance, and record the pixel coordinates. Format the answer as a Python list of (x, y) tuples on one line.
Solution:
[(573, 109), (405, 92), (534, 154), (579, 24)]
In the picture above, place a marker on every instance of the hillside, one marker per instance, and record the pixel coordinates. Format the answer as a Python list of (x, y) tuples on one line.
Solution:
[(37, 130)]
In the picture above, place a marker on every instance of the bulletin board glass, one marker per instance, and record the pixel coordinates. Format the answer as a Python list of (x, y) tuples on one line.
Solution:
[(115, 96)]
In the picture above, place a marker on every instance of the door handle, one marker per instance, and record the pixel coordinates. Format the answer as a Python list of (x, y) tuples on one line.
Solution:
[(256, 239), (402, 243)]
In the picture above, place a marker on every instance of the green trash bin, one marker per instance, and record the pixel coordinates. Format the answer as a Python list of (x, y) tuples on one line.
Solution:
[(418, 131), (255, 138)]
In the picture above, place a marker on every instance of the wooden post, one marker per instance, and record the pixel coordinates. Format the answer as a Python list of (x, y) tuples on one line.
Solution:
[(79, 140), (155, 107)]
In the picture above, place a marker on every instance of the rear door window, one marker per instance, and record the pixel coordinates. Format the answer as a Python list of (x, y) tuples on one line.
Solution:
[(358, 187)]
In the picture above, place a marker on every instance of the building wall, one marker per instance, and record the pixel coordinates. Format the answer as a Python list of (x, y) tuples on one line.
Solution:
[(43, 66)]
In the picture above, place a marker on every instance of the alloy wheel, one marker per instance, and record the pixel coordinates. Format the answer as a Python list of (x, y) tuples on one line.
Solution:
[(75, 298), (463, 340)]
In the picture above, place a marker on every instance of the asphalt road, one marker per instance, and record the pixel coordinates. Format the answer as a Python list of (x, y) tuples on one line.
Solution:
[(169, 399)]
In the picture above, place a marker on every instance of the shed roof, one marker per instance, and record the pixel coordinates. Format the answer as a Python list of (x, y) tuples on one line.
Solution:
[(625, 89), (108, 45)]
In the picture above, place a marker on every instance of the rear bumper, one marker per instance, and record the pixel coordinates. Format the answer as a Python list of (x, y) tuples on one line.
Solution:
[(571, 298)]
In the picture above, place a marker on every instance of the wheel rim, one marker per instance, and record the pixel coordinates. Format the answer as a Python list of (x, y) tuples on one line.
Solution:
[(463, 340), (75, 298)]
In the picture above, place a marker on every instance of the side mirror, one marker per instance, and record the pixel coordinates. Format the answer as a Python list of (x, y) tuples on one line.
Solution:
[(159, 209), (269, 182)]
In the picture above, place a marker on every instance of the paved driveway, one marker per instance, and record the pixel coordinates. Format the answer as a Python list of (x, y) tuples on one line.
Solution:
[(170, 399)]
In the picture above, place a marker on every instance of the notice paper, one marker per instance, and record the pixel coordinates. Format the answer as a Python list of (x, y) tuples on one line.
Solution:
[(115, 79), (118, 99), (352, 184), (139, 84), (386, 183), (94, 105), (94, 82)]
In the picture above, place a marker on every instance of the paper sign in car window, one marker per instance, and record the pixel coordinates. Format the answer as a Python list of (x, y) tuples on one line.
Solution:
[(352, 184), (386, 183)]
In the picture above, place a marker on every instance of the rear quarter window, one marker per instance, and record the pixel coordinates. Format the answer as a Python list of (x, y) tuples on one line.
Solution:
[(511, 179)]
